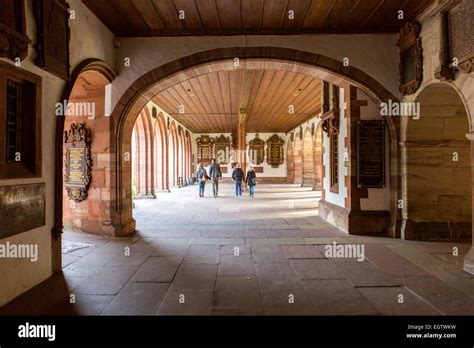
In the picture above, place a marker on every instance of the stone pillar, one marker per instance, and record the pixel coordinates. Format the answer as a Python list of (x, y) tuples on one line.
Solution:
[(469, 258), (241, 140)]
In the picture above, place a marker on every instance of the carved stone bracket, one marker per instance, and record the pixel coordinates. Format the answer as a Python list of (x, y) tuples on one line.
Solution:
[(78, 162), (13, 39)]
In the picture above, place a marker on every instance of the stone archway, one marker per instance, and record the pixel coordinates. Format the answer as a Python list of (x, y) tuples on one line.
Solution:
[(437, 183), (100, 68), (140, 92), (308, 159), (290, 162), (161, 154), (318, 158), (298, 159)]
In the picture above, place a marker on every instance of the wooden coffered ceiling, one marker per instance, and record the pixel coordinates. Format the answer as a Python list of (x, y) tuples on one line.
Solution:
[(235, 17), (212, 101)]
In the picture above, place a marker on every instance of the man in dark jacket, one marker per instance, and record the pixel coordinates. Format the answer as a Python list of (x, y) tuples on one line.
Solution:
[(216, 175), (238, 177)]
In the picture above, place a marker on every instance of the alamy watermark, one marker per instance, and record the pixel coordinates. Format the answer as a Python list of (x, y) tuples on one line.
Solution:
[(19, 251), (397, 109), (86, 109), (335, 250)]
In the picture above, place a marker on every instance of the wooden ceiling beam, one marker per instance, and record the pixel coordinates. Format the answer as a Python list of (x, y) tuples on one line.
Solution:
[(245, 86)]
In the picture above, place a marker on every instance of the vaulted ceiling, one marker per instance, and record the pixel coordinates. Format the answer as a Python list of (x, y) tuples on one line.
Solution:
[(274, 100), (234, 17)]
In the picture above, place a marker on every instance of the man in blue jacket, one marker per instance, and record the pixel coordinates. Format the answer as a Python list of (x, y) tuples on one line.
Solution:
[(216, 175), (238, 177)]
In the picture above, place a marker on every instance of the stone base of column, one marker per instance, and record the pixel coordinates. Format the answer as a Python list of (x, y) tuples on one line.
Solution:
[(437, 231), (469, 261), (366, 222), (125, 229), (147, 196)]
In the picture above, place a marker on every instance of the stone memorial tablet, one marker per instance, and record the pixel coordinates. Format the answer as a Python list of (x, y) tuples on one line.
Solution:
[(77, 162), (371, 154), (22, 208)]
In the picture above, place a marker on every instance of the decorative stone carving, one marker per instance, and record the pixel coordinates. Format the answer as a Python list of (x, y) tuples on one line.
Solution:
[(256, 150), (275, 151), (205, 149), (13, 39), (53, 34), (411, 58), (78, 162)]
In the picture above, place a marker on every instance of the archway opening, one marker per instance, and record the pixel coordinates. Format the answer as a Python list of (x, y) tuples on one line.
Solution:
[(438, 178), (308, 159), (87, 191), (298, 160)]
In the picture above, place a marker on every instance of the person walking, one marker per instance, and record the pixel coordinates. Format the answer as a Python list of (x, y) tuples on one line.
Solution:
[(251, 181), (216, 175), (202, 178), (238, 177)]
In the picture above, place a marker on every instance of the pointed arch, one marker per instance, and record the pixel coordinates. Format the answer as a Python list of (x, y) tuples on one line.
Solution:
[(173, 154), (307, 159)]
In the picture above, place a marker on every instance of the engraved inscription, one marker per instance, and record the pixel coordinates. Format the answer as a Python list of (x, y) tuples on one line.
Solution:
[(22, 208), (371, 154)]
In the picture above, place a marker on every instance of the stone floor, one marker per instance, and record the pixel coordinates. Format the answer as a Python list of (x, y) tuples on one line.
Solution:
[(262, 255)]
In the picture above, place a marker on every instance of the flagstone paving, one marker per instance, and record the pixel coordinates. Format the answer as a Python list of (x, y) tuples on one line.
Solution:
[(244, 256)]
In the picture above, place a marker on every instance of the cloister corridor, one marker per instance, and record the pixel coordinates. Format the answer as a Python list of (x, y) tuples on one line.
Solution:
[(244, 256)]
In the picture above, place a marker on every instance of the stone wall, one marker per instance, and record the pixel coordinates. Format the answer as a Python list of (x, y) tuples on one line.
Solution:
[(89, 38)]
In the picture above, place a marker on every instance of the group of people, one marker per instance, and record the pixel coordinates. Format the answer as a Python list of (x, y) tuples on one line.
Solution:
[(215, 175)]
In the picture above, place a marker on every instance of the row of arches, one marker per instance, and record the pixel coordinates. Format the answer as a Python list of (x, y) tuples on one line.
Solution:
[(161, 155), (401, 171), (304, 158)]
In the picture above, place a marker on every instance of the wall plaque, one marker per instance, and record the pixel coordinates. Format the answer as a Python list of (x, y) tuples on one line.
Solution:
[(205, 149), (370, 154), (222, 149), (275, 151), (461, 28), (52, 44), (411, 58), (256, 150), (22, 208), (77, 162)]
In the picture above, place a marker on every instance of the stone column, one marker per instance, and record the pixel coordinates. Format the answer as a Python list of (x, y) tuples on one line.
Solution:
[(469, 258), (241, 140)]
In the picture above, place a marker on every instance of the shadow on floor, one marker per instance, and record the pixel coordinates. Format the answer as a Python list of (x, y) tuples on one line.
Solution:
[(51, 297)]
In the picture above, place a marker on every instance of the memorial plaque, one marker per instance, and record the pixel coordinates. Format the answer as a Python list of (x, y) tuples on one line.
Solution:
[(53, 34), (77, 162), (370, 154), (275, 151), (22, 208), (257, 150)]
